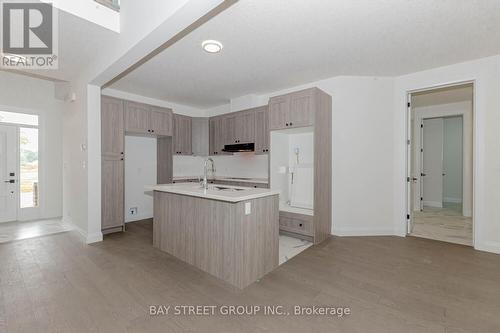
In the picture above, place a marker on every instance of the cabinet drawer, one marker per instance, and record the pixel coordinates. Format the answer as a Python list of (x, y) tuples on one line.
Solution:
[(296, 223)]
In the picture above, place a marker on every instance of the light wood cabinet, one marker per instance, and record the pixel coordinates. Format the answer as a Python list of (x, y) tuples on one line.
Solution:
[(292, 110), (217, 135), (112, 163), (262, 130), (297, 224), (245, 127), (199, 136), (137, 118), (182, 138), (112, 193), (301, 113), (305, 108), (146, 119), (161, 121), (239, 127)]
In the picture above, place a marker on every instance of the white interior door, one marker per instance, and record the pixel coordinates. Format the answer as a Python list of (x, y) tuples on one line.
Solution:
[(9, 189), (432, 173)]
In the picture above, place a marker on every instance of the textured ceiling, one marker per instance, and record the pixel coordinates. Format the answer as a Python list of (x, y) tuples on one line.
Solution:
[(271, 45)]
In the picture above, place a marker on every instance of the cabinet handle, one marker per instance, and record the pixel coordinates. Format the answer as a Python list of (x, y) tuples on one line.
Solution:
[(286, 124), (152, 131), (290, 125), (300, 225)]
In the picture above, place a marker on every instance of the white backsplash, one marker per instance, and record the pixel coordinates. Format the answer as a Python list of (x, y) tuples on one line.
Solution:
[(246, 165)]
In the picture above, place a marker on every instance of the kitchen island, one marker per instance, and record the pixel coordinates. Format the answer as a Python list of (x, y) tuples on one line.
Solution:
[(229, 232)]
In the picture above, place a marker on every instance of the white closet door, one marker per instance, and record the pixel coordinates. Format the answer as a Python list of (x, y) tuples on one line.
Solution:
[(432, 173)]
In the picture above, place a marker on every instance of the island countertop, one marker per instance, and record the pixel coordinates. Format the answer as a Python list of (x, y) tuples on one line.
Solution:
[(215, 192)]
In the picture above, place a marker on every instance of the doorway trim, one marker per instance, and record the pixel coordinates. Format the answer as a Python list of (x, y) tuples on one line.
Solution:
[(409, 145), (34, 213)]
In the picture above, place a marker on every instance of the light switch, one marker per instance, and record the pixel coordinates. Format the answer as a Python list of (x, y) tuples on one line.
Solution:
[(248, 208)]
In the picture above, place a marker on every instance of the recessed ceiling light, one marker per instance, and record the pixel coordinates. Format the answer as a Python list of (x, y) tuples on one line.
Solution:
[(212, 46)]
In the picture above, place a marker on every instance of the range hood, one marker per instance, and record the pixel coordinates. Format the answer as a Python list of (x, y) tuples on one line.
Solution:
[(239, 147)]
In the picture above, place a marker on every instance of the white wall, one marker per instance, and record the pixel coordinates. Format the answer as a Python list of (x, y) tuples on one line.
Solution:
[(453, 160), (486, 75), (29, 95), (283, 161), (140, 170)]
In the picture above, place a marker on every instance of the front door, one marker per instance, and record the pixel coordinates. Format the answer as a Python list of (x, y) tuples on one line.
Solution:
[(9, 189)]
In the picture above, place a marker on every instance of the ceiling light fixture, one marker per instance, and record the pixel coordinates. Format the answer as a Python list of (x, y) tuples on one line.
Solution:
[(212, 46)]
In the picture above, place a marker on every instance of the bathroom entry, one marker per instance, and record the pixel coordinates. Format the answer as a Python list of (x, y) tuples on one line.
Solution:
[(441, 164)]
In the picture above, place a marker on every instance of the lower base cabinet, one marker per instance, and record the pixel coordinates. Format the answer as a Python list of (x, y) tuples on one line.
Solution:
[(112, 194), (296, 225)]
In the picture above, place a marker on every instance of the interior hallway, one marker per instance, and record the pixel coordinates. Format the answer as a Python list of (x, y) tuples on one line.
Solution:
[(391, 284), (444, 224)]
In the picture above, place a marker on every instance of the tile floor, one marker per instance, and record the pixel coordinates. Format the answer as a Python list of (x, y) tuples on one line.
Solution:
[(290, 247), (11, 231), (444, 224)]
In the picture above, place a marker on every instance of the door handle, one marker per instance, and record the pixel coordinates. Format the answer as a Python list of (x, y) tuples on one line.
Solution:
[(11, 181)]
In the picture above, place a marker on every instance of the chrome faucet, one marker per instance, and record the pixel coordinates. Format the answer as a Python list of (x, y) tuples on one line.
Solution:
[(205, 172)]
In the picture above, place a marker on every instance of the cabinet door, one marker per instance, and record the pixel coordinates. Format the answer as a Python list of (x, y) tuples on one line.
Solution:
[(182, 135), (212, 130), (301, 112), (137, 118), (278, 109), (186, 148), (161, 121), (177, 136), (229, 129), (245, 127), (112, 131), (262, 130), (112, 192), (200, 136)]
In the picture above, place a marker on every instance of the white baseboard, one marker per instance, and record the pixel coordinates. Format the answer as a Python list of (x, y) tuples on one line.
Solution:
[(452, 200), (87, 238), (493, 247), (94, 238), (363, 232), (436, 204)]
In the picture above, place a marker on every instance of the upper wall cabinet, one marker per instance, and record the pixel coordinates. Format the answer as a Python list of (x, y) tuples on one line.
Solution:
[(112, 133), (292, 110), (146, 119), (182, 138), (239, 127), (161, 121), (199, 136), (262, 130)]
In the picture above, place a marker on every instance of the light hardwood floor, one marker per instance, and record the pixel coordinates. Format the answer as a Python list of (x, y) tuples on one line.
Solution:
[(58, 284), (445, 224)]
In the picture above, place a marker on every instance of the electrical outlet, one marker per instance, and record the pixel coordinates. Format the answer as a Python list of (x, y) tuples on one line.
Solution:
[(133, 211)]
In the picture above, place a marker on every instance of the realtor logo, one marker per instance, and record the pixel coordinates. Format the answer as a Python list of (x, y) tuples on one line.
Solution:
[(29, 39)]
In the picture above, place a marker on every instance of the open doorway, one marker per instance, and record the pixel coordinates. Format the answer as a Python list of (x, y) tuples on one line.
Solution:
[(440, 164)]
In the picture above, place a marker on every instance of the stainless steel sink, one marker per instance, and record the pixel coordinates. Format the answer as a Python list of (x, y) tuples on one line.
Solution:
[(223, 188)]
